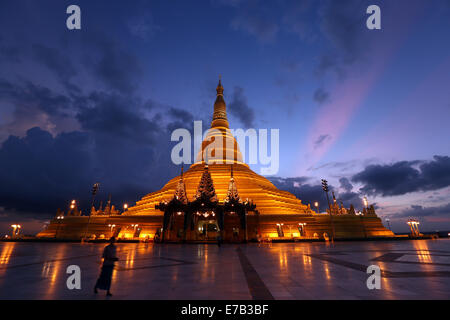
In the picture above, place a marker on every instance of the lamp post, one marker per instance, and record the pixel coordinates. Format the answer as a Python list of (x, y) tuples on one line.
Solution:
[(316, 204), (414, 225), (388, 221), (59, 218), (280, 229), (125, 207), (366, 203), (302, 228), (16, 229), (95, 188), (111, 226), (72, 204), (326, 189), (134, 226)]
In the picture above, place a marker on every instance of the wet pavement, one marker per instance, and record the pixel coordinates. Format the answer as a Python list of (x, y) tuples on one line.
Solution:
[(409, 270)]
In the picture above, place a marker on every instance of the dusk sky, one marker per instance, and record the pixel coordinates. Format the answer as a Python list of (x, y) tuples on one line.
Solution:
[(369, 110)]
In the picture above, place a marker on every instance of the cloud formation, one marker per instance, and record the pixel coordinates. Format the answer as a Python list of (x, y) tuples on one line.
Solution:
[(421, 211), (321, 96), (405, 177), (59, 140), (321, 140), (309, 192), (240, 109)]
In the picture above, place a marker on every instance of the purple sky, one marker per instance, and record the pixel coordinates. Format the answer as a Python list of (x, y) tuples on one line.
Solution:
[(368, 110)]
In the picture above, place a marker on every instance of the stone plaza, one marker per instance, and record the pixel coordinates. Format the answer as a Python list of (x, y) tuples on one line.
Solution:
[(410, 270)]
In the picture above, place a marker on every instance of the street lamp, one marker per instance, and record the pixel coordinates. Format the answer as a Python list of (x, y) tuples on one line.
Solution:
[(16, 229), (366, 203), (95, 188), (316, 204), (134, 226), (388, 221), (302, 228), (125, 207), (59, 218), (326, 189), (112, 226), (414, 225)]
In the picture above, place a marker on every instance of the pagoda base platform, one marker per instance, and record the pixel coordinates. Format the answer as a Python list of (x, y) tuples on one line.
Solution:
[(259, 228)]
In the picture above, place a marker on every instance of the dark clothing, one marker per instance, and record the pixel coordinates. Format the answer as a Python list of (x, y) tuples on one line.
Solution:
[(104, 281), (109, 257)]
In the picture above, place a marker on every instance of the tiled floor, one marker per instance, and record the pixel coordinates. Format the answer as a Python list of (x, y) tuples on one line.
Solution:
[(410, 269)]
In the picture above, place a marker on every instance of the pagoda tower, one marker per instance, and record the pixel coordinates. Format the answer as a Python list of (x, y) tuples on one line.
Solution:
[(269, 200), (204, 203)]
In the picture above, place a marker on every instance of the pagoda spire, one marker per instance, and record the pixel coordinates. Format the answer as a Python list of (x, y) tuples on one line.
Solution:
[(232, 194), (220, 119), (206, 188), (180, 190)]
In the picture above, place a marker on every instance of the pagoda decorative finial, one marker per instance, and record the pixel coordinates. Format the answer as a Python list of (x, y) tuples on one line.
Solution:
[(219, 88), (232, 194), (220, 119), (206, 188), (180, 191)]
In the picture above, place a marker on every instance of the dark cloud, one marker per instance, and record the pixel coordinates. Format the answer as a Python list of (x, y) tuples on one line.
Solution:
[(127, 153), (321, 140), (405, 177), (116, 137), (254, 18), (420, 211), (344, 27), (309, 192), (240, 109), (111, 63), (321, 96), (55, 61), (345, 184), (116, 116), (39, 171)]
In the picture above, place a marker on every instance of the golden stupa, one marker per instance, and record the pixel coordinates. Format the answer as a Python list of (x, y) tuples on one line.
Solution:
[(273, 213), (250, 185)]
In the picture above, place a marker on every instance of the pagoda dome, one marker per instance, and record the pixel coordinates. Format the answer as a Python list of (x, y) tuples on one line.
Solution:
[(268, 199)]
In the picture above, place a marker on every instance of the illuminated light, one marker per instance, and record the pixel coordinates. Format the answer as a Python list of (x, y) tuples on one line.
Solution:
[(125, 206), (73, 201), (273, 235)]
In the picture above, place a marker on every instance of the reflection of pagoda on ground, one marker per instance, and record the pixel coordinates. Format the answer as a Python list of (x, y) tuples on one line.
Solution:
[(220, 195)]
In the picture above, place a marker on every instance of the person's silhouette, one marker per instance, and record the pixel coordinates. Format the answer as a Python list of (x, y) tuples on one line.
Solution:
[(109, 257)]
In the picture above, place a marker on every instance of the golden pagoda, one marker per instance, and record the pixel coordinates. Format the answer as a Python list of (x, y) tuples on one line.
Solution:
[(219, 195)]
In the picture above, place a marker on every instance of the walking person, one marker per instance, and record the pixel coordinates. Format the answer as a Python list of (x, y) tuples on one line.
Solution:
[(109, 257)]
